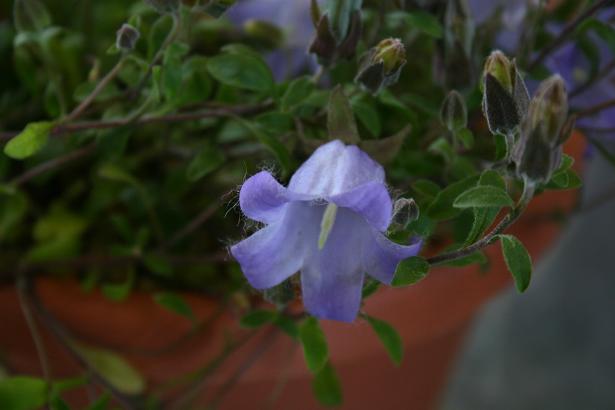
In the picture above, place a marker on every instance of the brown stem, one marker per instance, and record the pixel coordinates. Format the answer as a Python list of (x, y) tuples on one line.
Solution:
[(599, 76), (153, 119), (77, 112), (65, 340), (588, 112), (192, 226), (566, 32), (36, 337), (52, 164), (511, 218)]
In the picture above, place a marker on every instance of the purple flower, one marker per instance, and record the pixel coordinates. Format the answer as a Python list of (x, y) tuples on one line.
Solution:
[(328, 224), (294, 19), (512, 16)]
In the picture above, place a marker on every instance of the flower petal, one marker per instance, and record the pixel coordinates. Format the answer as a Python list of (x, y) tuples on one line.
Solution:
[(381, 256), (262, 198), (277, 251), (371, 200), (333, 169), (332, 278)]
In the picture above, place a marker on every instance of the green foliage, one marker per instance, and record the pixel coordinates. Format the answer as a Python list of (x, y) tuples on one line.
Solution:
[(518, 261), (119, 373), (410, 271), (258, 318), (174, 303), (483, 196), (22, 393), (390, 339), (245, 71), (30, 141), (326, 386), (315, 349)]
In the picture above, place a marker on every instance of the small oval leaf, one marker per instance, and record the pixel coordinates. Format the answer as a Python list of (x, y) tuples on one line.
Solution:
[(389, 337), (518, 261), (30, 141), (410, 271), (315, 349), (483, 196)]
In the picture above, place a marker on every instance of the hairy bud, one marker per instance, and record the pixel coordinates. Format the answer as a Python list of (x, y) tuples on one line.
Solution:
[(127, 37), (454, 113), (337, 32), (382, 65), (538, 152), (505, 96), (405, 211)]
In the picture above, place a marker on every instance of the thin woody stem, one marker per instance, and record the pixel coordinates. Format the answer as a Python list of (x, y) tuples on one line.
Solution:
[(511, 218), (220, 112), (588, 112), (80, 109), (567, 32)]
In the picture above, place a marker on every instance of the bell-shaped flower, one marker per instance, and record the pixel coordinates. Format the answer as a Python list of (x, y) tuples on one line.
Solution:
[(328, 224)]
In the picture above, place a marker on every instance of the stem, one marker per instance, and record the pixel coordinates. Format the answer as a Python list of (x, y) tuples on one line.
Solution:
[(77, 112), (511, 218), (588, 112), (244, 367), (192, 225), (599, 76), (65, 340), (167, 41), (221, 112), (22, 285), (566, 32), (52, 164)]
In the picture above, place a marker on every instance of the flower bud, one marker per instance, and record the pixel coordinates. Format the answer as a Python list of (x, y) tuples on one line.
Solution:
[(331, 45), (505, 96), (405, 211), (454, 113), (538, 152), (127, 37), (382, 65), (164, 6), (500, 68), (549, 109)]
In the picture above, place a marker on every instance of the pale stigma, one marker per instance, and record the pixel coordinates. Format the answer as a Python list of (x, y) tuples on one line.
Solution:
[(328, 219)]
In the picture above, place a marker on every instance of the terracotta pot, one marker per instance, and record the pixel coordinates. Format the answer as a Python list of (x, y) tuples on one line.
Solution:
[(431, 317)]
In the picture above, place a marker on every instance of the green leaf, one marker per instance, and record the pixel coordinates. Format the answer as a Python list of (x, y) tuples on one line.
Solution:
[(158, 264), (30, 15), (113, 368), (174, 303), (442, 206), (368, 116), (258, 318), (22, 393), (340, 120), (296, 93), (242, 71), (369, 288), (206, 161), (326, 386), (518, 261), (102, 403), (425, 22), (30, 141), (483, 196), (315, 349), (410, 271), (466, 137), (119, 291), (389, 337), (426, 188), (287, 325), (172, 75), (484, 217)]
